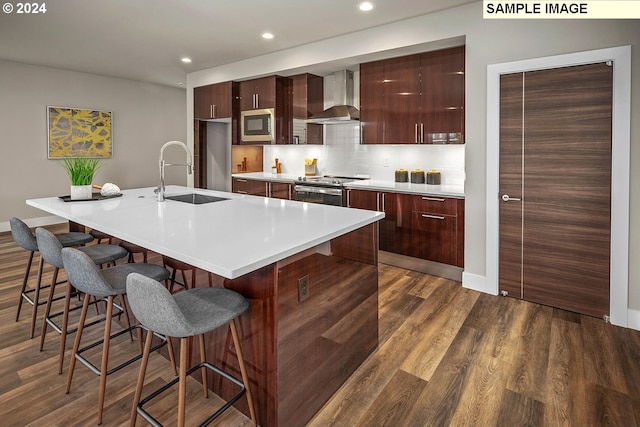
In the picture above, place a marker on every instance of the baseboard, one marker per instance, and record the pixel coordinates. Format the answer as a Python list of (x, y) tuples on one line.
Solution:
[(34, 222), (477, 283), (450, 272), (633, 319)]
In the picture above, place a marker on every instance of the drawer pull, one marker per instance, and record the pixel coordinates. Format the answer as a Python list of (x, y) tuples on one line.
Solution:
[(242, 180), (241, 192), (433, 199), (441, 218)]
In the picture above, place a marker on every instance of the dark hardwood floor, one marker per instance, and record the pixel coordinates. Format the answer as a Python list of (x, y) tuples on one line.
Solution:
[(447, 356)]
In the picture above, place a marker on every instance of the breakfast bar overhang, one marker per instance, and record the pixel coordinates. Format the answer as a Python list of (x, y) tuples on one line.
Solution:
[(309, 271)]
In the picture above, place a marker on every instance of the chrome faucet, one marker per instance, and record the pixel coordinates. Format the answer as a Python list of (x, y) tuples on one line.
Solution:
[(189, 165)]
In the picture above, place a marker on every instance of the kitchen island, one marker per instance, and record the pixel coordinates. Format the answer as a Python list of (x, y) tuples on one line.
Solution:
[(309, 271)]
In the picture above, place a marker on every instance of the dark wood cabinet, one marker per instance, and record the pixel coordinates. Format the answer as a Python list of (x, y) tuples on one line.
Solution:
[(383, 202), (216, 101), (265, 92), (442, 80), (436, 225), (425, 227), (308, 99), (371, 102), (255, 187), (249, 186), (280, 190), (270, 92), (415, 99)]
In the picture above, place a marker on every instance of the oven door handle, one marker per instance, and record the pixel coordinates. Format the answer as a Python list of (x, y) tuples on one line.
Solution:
[(319, 190)]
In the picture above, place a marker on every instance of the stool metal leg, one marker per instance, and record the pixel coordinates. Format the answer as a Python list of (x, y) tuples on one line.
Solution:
[(76, 343), (25, 280), (243, 372), (65, 325), (47, 311), (36, 298), (105, 358), (203, 371), (141, 375)]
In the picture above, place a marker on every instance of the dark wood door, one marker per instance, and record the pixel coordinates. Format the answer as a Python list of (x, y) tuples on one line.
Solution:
[(560, 167)]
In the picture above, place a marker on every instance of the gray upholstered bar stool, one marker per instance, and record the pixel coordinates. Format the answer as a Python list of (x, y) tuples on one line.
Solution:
[(51, 252), (100, 236), (24, 238), (135, 249), (193, 312), (106, 283), (173, 265)]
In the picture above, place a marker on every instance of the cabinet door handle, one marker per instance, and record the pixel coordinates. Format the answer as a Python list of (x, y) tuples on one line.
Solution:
[(384, 203), (441, 218), (348, 198), (213, 111), (241, 180), (421, 133), (433, 199), (417, 141)]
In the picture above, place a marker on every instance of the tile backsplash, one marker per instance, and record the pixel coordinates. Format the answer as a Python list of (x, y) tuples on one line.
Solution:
[(342, 154)]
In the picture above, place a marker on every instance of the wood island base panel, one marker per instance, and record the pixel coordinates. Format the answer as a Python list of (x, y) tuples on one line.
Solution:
[(299, 352)]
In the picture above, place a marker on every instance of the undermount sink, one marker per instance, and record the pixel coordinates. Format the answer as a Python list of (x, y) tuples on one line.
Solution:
[(195, 198)]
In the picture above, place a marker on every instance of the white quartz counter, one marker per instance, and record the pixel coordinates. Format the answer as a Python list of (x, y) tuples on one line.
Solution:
[(229, 238), (267, 176), (456, 191)]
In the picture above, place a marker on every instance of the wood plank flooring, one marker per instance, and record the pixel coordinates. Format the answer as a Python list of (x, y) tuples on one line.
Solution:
[(447, 356)]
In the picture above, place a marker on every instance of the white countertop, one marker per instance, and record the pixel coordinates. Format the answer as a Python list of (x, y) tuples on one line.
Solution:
[(456, 191), (267, 176), (229, 238)]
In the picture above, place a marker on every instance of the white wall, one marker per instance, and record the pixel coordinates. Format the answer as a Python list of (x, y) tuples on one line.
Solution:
[(487, 42), (144, 117)]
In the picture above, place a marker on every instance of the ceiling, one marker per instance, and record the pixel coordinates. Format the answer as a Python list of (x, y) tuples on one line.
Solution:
[(146, 39)]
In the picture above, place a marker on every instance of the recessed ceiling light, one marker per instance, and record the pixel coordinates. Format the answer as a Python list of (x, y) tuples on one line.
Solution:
[(180, 83), (267, 36), (365, 6), (186, 60)]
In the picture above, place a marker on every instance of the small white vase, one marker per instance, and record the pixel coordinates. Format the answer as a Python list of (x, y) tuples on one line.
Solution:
[(81, 192)]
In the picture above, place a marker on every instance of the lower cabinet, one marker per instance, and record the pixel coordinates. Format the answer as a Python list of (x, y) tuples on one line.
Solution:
[(275, 189), (420, 226)]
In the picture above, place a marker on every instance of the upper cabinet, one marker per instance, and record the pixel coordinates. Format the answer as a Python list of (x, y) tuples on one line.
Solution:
[(416, 99), (273, 92), (308, 99), (216, 101), (265, 92)]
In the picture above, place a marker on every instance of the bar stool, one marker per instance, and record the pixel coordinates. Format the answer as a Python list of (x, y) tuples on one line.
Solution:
[(106, 283), (25, 239), (193, 312), (100, 236), (174, 266), (134, 249), (51, 252)]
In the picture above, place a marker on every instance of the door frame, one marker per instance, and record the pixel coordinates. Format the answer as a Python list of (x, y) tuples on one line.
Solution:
[(620, 169)]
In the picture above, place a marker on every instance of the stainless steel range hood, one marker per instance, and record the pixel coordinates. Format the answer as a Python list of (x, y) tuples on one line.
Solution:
[(343, 110)]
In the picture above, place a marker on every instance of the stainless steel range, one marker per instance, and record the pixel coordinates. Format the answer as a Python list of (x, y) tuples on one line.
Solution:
[(327, 190)]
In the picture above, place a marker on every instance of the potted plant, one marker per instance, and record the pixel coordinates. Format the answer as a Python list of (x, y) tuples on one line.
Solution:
[(81, 171)]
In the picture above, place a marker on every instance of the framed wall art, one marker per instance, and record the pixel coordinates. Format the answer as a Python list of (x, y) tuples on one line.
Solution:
[(76, 132)]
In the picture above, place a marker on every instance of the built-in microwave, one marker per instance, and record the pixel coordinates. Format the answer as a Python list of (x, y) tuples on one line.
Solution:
[(258, 125)]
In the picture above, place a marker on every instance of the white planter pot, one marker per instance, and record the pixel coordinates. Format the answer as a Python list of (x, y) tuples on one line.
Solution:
[(81, 192)]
